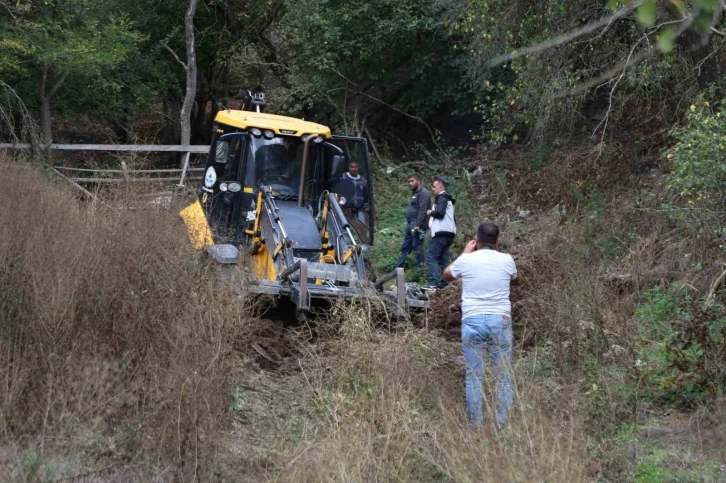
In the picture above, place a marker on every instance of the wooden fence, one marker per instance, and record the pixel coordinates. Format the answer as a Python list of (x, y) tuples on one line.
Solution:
[(84, 175)]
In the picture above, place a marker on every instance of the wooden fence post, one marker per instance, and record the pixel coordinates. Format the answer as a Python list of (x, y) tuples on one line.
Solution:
[(184, 169)]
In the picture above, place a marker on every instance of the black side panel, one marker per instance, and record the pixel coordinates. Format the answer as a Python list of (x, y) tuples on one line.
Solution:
[(223, 209), (300, 226)]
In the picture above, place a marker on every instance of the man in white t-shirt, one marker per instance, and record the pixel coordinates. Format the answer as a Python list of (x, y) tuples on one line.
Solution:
[(486, 328)]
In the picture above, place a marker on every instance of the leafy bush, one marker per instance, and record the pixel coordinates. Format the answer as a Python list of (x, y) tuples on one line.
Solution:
[(698, 173), (681, 348)]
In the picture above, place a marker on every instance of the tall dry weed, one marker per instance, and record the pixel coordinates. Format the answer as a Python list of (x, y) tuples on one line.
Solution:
[(393, 407), (114, 335)]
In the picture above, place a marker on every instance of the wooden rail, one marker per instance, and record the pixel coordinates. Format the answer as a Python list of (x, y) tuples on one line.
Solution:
[(129, 171), (148, 148)]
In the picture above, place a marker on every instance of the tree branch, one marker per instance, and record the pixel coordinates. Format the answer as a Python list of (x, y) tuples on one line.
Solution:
[(565, 38), (606, 119), (10, 10), (629, 62), (344, 77), (176, 57), (54, 90), (404, 113)]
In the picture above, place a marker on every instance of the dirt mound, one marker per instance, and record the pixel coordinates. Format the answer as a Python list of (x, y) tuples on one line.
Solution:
[(268, 343), (445, 313)]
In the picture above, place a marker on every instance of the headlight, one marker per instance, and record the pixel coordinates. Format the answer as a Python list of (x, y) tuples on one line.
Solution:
[(269, 134), (304, 138), (318, 139), (210, 177), (222, 186), (341, 200), (256, 132)]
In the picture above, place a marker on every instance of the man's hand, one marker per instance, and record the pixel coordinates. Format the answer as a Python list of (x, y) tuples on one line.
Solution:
[(415, 229), (428, 213), (470, 247), (448, 276)]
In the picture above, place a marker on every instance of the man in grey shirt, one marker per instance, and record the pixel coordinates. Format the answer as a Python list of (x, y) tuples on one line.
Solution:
[(418, 205), (486, 328)]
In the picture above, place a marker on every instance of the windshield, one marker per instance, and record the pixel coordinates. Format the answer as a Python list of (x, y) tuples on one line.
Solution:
[(278, 162)]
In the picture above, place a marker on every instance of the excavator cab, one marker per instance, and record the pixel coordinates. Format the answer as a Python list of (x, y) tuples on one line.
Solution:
[(276, 187), (240, 164)]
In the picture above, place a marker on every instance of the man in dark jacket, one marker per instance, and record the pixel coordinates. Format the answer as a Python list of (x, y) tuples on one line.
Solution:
[(443, 229), (418, 205), (353, 188)]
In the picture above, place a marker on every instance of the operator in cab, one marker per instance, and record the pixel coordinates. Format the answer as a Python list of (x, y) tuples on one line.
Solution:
[(352, 186)]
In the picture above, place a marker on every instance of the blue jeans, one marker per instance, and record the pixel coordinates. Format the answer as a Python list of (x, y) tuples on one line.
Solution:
[(487, 339), (438, 258), (412, 242)]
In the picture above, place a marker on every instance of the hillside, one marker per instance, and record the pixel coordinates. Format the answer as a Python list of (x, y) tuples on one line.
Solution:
[(139, 366)]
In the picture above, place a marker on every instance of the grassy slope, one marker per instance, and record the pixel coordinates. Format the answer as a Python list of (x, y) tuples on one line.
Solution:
[(367, 398)]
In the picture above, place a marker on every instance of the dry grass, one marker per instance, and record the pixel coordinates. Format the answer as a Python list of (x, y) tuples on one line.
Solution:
[(392, 406), (114, 337)]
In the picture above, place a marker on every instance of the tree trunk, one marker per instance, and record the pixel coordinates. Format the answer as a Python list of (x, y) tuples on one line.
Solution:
[(191, 71), (46, 132), (266, 50), (199, 119), (44, 96), (705, 65), (698, 45)]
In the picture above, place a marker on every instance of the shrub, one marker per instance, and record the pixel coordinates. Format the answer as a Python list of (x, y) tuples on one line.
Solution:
[(681, 352), (698, 172)]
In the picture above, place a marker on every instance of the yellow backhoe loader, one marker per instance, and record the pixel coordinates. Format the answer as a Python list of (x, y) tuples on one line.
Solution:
[(274, 186)]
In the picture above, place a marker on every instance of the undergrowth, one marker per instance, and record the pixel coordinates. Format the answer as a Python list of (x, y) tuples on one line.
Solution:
[(114, 335)]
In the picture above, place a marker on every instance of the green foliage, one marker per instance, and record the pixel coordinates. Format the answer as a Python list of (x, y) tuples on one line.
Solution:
[(646, 13), (660, 465), (611, 395), (698, 173), (237, 405), (395, 51), (535, 98), (666, 39), (80, 48), (32, 466), (656, 462), (681, 352)]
